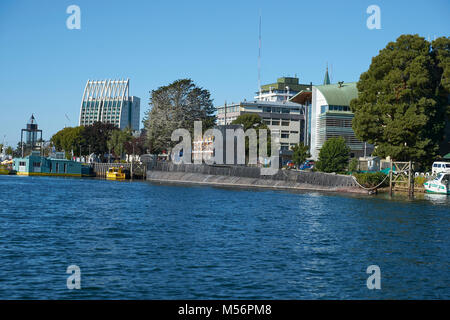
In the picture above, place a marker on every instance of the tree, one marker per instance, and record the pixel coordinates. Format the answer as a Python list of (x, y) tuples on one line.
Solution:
[(137, 145), (333, 156), (9, 151), (253, 121), (96, 137), (300, 153), (353, 165), (116, 142), (176, 106), (68, 139), (402, 99)]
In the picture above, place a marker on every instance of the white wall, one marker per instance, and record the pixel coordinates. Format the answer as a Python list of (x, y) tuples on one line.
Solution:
[(317, 100)]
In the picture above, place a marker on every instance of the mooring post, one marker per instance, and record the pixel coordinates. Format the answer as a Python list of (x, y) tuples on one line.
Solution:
[(390, 181), (409, 179)]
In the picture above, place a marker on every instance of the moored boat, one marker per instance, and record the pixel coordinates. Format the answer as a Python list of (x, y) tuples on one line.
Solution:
[(440, 184), (115, 173)]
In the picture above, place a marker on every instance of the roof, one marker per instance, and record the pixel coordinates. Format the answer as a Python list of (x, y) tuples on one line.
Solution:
[(447, 156), (339, 96), (302, 97)]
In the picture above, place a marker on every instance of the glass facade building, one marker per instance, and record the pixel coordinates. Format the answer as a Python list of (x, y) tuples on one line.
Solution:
[(108, 101)]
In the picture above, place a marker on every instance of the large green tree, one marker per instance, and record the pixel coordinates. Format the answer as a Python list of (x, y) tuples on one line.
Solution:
[(116, 142), (176, 106), (68, 139), (300, 153), (402, 99), (97, 136), (333, 156)]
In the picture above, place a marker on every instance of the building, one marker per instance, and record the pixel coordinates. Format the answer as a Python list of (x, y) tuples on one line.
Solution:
[(285, 118), (31, 136), (108, 101), (329, 115), (56, 165), (284, 89)]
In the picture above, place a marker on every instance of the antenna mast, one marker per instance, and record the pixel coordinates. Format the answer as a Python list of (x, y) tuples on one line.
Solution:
[(259, 56)]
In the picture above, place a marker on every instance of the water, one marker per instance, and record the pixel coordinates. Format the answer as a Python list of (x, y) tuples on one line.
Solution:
[(135, 240)]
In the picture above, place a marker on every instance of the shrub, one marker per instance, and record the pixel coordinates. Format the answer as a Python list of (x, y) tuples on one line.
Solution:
[(333, 156), (371, 179), (353, 165), (419, 181)]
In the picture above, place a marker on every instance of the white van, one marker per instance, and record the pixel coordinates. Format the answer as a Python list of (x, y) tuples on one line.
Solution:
[(440, 166)]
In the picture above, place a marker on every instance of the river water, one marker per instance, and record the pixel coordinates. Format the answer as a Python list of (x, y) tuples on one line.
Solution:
[(137, 240)]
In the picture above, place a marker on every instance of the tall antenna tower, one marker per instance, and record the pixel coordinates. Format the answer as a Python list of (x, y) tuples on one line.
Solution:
[(259, 56)]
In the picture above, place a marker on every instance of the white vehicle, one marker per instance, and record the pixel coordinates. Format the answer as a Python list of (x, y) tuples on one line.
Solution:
[(440, 166), (440, 184)]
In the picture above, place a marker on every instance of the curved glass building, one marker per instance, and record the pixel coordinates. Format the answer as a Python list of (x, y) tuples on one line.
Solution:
[(109, 101)]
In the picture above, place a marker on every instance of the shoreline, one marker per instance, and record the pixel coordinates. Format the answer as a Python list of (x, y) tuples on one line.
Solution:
[(168, 177)]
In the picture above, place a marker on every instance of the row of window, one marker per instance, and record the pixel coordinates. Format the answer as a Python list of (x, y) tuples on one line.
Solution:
[(276, 122), (326, 108), (279, 109)]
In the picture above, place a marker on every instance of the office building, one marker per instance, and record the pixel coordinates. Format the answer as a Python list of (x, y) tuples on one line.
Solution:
[(108, 101)]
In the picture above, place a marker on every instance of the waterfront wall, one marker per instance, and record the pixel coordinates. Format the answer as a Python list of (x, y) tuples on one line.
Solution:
[(250, 177)]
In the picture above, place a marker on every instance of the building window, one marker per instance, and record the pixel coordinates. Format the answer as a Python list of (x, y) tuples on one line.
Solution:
[(285, 123), (22, 163), (285, 110), (56, 167), (275, 122), (36, 164), (267, 109), (285, 135)]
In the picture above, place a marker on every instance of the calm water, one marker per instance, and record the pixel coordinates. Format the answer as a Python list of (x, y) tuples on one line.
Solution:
[(135, 240)]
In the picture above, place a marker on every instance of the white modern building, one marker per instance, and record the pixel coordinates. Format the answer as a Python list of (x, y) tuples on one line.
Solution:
[(108, 101), (329, 116)]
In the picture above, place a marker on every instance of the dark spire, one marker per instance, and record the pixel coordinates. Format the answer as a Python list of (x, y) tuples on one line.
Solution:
[(326, 80)]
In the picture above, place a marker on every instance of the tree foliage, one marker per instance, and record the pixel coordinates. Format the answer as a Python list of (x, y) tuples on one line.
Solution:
[(97, 136), (137, 145), (176, 106), (300, 153), (117, 140), (402, 102), (68, 139), (333, 156)]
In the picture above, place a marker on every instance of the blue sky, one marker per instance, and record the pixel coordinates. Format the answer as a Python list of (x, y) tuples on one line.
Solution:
[(44, 66)]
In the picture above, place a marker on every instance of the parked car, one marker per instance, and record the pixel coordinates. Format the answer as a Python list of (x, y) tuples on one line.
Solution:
[(308, 164), (440, 166), (290, 164)]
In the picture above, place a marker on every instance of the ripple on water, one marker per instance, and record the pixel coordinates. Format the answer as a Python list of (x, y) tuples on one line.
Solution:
[(143, 241)]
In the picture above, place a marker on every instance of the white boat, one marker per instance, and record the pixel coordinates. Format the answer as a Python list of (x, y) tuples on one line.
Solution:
[(440, 184)]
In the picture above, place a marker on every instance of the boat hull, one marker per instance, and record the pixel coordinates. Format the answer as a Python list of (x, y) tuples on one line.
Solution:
[(113, 176), (436, 188)]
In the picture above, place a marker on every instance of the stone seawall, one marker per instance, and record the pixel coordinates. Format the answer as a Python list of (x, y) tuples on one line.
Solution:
[(240, 176)]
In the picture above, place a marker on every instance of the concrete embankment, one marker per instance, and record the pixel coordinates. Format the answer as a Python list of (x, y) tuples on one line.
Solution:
[(250, 177)]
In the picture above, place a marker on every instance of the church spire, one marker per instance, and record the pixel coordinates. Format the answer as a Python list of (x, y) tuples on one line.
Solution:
[(326, 80)]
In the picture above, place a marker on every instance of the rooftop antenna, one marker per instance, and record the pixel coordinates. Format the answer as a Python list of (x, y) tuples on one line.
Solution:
[(259, 56)]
